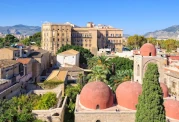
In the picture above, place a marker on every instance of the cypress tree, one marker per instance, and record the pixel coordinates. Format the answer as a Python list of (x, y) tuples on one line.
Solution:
[(150, 106)]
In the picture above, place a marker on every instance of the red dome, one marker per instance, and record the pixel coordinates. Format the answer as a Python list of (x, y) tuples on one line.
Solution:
[(148, 50), (127, 94), (164, 89), (96, 95), (172, 109)]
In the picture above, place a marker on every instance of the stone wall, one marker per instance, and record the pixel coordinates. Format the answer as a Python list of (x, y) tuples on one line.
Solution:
[(105, 116), (51, 115)]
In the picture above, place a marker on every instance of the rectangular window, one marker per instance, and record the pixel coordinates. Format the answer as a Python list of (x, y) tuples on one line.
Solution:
[(62, 39), (62, 34), (58, 34), (53, 39), (58, 39)]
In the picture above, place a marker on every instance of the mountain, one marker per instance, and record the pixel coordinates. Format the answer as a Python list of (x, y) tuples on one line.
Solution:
[(167, 33), (19, 29), (126, 35)]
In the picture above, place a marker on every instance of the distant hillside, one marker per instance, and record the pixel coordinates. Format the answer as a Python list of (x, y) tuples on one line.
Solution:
[(19, 29), (126, 35), (168, 33)]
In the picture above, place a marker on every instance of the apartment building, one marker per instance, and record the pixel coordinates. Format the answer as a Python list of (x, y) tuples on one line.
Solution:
[(91, 37)]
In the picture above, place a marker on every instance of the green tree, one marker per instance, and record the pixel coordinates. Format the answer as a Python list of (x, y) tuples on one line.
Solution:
[(71, 92), (99, 73), (36, 38), (84, 53), (136, 41), (9, 40), (121, 63), (119, 77), (1, 42), (98, 60), (150, 106), (26, 41)]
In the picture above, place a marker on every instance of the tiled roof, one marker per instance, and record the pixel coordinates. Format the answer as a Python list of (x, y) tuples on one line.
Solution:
[(57, 75), (69, 52), (71, 69), (24, 60), (7, 63)]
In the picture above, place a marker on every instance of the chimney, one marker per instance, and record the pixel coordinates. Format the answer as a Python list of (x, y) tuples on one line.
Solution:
[(20, 49)]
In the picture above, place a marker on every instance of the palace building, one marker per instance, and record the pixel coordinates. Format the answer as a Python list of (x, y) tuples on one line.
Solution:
[(91, 37)]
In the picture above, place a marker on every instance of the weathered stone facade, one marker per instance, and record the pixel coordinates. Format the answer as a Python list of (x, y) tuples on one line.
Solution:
[(112, 114), (140, 65)]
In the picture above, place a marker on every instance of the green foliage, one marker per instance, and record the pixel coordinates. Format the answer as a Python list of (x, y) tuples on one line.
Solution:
[(84, 53), (9, 40), (119, 77), (111, 71), (99, 73), (50, 84), (98, 60), (121, 63), (36, 38), (150, 106), (71, 92), (26, 41), (46, 101), (136, 41), (1, 42), (19, 109)]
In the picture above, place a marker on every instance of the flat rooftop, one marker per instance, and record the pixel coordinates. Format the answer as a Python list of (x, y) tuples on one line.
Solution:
[(7, 63)]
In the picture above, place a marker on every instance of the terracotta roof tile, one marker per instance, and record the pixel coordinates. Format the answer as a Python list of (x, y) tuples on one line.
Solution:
[(24, 60)]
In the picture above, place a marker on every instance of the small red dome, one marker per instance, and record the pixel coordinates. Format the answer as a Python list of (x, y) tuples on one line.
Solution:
[(172, 109), (164, 89), (127, 94), (148, 50), (96, 95)]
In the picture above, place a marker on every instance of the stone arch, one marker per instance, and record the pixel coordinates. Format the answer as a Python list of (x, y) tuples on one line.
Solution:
[(152, 61)]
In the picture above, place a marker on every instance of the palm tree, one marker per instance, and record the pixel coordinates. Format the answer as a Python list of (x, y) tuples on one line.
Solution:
[(100, 73), (119, 77), (98, 60)]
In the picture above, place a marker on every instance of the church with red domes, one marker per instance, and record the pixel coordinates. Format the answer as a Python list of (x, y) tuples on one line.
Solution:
[(97, 102)]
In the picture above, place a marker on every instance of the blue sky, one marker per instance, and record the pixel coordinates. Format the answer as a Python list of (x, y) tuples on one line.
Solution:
[(133, 16)]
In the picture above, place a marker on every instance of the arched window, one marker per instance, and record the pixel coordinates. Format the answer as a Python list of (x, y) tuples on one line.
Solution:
[(138, 70), (98, 121), (97, 107)]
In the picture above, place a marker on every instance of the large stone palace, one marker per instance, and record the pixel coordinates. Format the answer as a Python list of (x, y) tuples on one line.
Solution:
[(91, 37)]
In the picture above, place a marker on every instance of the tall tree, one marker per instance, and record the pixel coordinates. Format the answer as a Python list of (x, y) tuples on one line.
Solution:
[(36, 38), (150, 106), (10, 39), (136, 41)]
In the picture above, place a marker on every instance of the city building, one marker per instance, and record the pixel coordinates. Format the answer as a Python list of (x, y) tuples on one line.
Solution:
[(68, 58), (91, 37), (97, 103), (9, 69), (43, 57), (14, 53)]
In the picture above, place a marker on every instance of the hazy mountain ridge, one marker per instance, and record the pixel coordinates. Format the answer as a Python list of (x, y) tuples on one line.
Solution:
[(167, 33), (19, 29)]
